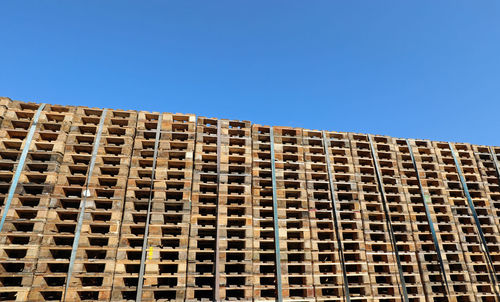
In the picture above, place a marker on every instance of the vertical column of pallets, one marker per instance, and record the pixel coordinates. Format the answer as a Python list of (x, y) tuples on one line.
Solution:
[(235, 211), (203, 232), (92, 274), (133, 222), (165, 264), (350, 216), (427, 255), (293, 215), (382, 266), (485, 157), (22, 232), (397, 204), (95, 263), (471, 244), (448, 235), (264, 259), (327, 269), (166, 261), (487, 166), (482, 204)]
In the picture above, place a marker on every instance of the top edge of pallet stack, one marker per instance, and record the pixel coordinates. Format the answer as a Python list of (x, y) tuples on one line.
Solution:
[(12, 104)]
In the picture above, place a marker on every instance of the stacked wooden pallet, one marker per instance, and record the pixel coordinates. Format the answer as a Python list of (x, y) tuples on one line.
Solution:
[(455, 160), (33, 141), (234, 222), (157, 199), (78, 251), (113, 205), (264, 254), (326, 263)]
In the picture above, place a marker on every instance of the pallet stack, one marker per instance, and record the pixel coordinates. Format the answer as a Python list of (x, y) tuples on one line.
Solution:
[(351, 222), (114, 205), (326, 263), (422, 221), (381, 257), (293, 214), (78, 249), (202, 254), (166, 262), (235, 211), (26, 211), (474, 256), (334, 149), (167, 193), (443, 215), (488, 166), (385, 150), (264, 255)]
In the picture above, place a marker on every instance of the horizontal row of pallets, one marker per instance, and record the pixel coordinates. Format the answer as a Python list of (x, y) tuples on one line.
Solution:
[(114, 205)]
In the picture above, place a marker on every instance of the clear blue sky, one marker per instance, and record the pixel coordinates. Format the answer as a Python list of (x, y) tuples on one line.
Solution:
[(418, 69)]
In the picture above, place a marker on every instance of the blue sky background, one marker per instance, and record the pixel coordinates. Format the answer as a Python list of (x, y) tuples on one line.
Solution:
[(418, 69)]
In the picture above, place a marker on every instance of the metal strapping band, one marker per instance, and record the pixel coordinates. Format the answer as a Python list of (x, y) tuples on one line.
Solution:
[(217, 229), (140, 281), (474, 214), (190, 204), (275, 219), (429, 218), (335, 217), (83, 203), (20, 165), (388, 219)]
